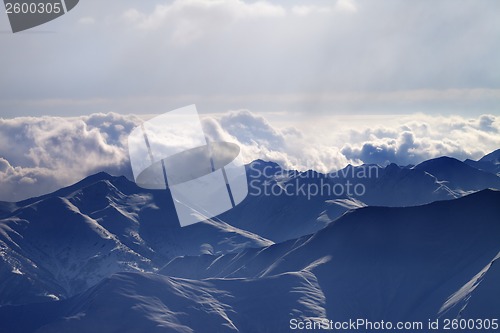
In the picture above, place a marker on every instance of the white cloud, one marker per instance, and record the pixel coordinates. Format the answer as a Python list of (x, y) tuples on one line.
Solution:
[(412, 139), (303, 10), (329, 143), (87, 20), (286, 145), (346, 5), (190, 20), (38, 155)]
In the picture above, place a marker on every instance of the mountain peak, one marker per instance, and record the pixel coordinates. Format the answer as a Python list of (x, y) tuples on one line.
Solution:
[(99, 176), (262, 163), (442, 161), (492, 157), (65, 191), (462, 175), (488, 163)]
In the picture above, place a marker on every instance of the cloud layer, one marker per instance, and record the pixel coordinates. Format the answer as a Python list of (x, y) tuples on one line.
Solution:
[(38, 155), (316, 56), (423, 137)]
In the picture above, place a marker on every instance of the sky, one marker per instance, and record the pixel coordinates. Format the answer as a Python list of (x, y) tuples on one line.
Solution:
[(313, 57), (309, 84)]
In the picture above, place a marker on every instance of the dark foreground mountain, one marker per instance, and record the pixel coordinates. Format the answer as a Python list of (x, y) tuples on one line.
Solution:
[(375, 263), (385, 263)]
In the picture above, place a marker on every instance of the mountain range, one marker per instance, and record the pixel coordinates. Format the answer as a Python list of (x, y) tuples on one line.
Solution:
[(420, 242)]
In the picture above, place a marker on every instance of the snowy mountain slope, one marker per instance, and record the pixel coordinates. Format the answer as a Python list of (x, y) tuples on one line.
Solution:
[(62, 243), (6, 207), (300, 208), (70, 247), (249, 263), (458, 175), (377, 263), (384, 263), (59, 246), (482, 289), (398, 186), (137, 302), (493, 157), (489, 163)]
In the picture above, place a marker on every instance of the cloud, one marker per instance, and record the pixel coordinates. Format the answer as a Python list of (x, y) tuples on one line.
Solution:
[(86, 20), (363, 56), (346, 5), (258, 138), (38, 155), (331, 143), (488, 123), (340, 5), (191, 20), (384, 150), (414, 139)]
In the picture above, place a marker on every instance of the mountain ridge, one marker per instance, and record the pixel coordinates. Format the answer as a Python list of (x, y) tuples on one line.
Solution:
[(354, 267), (413, 244)]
